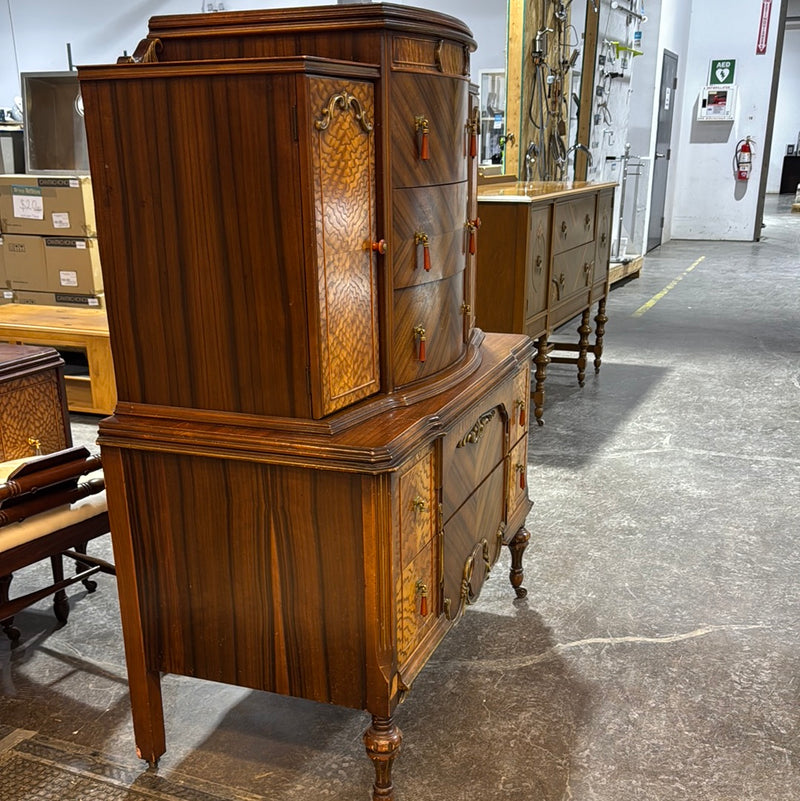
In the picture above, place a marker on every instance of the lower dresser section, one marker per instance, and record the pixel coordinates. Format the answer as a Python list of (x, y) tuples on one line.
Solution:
[(326, 567)]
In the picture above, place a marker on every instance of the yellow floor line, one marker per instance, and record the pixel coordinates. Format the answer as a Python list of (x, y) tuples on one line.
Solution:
[(652, 302)]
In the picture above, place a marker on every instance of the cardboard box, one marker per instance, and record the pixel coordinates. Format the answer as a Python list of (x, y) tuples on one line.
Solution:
[(61, 299), (73, 265), (24, 259), (47, 205), (3, 274)]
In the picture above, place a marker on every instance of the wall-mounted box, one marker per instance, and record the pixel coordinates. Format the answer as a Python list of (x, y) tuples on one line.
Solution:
[(717, 103)]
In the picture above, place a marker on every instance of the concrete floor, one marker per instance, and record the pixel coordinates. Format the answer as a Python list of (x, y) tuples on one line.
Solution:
[(657, 655)]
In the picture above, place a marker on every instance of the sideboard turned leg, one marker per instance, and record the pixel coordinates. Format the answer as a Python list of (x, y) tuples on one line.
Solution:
[(517, 547), (382, 740), (584, 329), (600, 320)]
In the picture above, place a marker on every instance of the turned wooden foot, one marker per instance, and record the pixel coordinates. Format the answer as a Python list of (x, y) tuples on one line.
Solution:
[(584, 329), (517, 547), (541, 360), (600, 329), (382, 740), (80, 566)]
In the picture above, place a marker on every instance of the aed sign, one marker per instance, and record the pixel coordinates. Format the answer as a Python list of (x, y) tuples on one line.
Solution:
[(722, 70)]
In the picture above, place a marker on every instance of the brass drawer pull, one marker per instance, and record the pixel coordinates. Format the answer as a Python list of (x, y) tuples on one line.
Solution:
[(422, 594), (380, 246), (587, 221), (422, 127), (564, 227), (418, 504), (420, 337), (476, 432), (422, 239)]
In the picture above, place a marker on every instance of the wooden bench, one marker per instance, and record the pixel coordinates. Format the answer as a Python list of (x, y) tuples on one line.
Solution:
[(70, 331)]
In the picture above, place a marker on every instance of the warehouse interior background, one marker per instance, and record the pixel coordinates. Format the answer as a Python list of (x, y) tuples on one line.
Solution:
[(703, 200)]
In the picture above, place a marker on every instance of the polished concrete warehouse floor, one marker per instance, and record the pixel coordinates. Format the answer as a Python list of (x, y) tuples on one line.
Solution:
[(657, 655)]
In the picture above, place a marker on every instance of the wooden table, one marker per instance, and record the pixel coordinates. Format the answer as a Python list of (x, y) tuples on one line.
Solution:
[(84, 331)]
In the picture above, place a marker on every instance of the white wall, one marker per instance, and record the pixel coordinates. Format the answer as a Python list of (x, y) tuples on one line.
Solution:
[(709, 202), (99, 31), (787, 110)]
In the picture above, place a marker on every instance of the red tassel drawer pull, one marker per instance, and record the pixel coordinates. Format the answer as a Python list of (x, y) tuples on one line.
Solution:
[(472, 227), (422, 127), (422, 593), (419, 335)]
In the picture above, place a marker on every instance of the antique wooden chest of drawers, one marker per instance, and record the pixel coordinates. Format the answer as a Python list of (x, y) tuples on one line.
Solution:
[(543, 260), (33, 404), (323, 421)]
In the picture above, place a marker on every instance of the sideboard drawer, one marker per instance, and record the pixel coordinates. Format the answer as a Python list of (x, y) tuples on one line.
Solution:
[(472, 540), (417, 598), (574, 223), (433, 220), (572, 273), (517, 405), (471, 450), (428, 117), (417, 502), (428, 328), (516, 476)]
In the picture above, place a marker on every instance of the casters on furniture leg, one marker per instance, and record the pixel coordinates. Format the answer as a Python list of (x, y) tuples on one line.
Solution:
[(382, 740), (517, 547)]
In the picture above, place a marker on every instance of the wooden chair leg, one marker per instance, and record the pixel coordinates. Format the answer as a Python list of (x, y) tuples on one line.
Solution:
[(60, 602), (8, 624), (90, 585)]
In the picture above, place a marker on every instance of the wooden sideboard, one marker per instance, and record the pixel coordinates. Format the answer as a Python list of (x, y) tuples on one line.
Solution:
[(543, 260), (323, 446), (33, 404)]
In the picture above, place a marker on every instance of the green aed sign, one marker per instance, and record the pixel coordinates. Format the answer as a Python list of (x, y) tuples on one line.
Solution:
[(722, 70)]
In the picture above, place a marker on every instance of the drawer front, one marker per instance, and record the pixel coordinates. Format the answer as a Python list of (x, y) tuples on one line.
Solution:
[(417, 505), (516, 477), (574, 223), (428, 231), (538, 261), (428, 124), (31, 412), (473, 447), (428, 328), (572, 273), (605, 218), (472, 541), (417, 600), (422, 54), (518, 403)]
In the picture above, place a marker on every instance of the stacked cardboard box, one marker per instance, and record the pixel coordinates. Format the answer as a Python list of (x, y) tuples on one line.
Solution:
[(49, 240)]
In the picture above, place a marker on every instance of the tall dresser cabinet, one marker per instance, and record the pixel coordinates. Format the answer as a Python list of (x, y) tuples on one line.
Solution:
[(315, 456)]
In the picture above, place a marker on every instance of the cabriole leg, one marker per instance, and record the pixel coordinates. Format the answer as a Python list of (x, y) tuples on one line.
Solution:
[(517, 547), (382, 740)]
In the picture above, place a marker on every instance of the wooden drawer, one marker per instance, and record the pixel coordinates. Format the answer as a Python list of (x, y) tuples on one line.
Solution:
[(518, 404), (516, 477), (537, 267), (417, 592), (572, 273), (435, 216), (473, 448), (438, 56), (574, 223), (417, 505), (434, 309), (472, 541), (442, 102)]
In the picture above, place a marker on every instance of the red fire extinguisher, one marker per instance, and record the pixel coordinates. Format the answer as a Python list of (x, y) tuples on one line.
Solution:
[(743, 160)]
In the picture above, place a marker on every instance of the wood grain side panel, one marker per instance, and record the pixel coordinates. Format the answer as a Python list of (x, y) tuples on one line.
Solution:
[(201, 251), (343, 164), (237, 587), (442, 101), (438, 212), (432, 55), (605, 221), (501, 265), (537, 268)]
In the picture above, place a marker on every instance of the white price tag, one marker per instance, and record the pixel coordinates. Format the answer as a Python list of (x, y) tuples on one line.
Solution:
[(60, 219), (93, 302), (28, 207), (81, 244), (74, 183), (68, 278)]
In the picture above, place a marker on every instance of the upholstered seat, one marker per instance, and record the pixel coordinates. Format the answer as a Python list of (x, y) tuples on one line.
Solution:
[(50, 507)]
